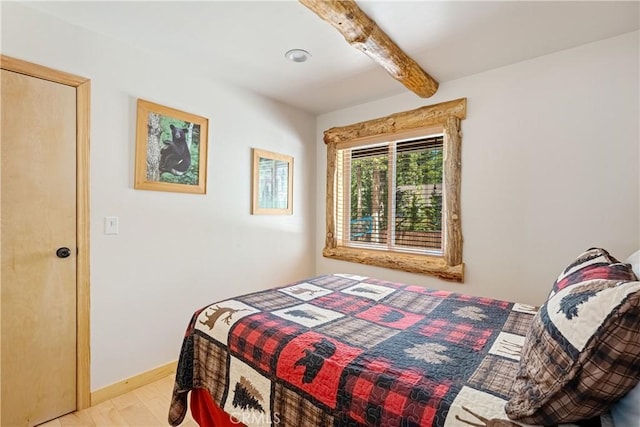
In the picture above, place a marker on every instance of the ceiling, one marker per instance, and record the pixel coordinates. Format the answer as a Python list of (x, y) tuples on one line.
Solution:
[(244, 42)]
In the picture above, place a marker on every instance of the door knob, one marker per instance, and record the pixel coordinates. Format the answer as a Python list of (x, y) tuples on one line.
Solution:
[(63, 252)]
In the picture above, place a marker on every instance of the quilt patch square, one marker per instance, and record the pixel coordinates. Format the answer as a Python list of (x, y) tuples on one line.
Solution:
[(436, 358), (258, 338), (267, 301), (217, 319), (525, 308), (369, 291), (464, 333), (313, 363), (467, 310), (358, 333), (375, 392), (496, 375), (308, 315), (518, 323), (390, 317), (471, 406), (305, 291), (335, 282), (248, 400), (211, 363), (413, 302), (508, 345), (343, 303), (292, 409)]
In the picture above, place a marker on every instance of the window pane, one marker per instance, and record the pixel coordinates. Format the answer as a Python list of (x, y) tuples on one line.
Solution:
[(411, 171), (418, 198), (274, 183), (369, 193)]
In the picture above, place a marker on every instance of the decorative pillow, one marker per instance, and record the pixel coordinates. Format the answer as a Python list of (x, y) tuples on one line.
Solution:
[(626, 413), (582, 352), (595, 263), (634, 261)]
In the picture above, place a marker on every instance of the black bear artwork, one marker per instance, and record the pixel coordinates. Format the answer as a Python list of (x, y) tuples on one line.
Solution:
[(175, 157)]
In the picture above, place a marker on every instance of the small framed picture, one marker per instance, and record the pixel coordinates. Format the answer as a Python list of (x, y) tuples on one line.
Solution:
[(272, 188), (171, 150)]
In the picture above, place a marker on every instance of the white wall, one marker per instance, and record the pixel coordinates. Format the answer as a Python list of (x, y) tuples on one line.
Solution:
[(550, 164), (175, 252)]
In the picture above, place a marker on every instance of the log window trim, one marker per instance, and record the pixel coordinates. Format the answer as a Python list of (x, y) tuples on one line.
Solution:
[(446, 118)]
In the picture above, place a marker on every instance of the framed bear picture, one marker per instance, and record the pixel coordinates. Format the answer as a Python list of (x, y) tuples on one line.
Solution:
[(171, 150)]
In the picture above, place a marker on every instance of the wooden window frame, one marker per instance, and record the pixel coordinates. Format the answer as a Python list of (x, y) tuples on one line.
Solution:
[(444, 118)]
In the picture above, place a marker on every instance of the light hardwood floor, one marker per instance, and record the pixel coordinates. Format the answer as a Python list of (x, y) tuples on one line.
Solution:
[(146, 406)]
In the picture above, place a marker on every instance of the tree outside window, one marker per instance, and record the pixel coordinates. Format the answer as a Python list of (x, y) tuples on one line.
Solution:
[(416, 194)]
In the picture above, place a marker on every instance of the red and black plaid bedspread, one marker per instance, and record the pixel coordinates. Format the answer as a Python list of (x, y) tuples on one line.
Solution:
[(342, 350)]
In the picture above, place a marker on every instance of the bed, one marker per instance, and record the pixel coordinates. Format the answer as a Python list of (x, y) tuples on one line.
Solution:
[(345, 350)]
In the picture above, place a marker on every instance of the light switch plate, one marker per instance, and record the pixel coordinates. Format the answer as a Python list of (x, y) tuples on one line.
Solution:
[(111, 225)]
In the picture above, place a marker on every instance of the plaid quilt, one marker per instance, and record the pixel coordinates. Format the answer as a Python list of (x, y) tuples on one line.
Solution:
[(343, 350)]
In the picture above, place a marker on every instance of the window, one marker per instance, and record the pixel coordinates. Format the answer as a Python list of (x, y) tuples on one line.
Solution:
[(391, 196), (393, 191)]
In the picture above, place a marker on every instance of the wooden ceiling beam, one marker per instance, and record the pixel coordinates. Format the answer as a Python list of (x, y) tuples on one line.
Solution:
[(364, 34)]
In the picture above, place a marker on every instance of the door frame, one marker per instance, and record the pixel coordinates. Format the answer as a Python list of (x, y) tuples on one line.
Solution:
[(83, 110)]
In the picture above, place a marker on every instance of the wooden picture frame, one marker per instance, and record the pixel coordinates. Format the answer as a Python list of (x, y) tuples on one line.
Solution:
[(171, 149), (272, 189)]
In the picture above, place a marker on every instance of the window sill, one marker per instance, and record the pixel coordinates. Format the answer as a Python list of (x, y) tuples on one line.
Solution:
[(421, 264)]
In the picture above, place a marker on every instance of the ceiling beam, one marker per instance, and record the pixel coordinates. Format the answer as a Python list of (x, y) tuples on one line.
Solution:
[(364, 34)]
